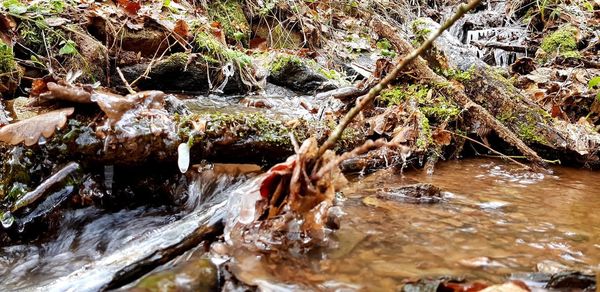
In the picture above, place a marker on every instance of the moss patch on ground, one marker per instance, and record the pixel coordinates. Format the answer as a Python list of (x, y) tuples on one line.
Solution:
[(563, 41), (7, 59), (230, 14), (282, 61), (215, 52)]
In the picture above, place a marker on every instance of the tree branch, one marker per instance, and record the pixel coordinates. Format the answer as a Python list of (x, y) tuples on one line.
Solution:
[(374, 92)]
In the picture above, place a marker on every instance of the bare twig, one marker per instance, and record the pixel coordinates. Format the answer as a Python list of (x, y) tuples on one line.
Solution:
[(127, 85), (374, 92), (490, 148)]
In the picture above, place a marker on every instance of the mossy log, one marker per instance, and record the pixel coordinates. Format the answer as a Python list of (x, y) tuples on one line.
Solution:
[(228, 137), (487, 87), (215, 137), (180, 72), (422, 71)]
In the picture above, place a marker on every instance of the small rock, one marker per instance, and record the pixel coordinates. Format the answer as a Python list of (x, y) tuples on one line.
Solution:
[(414, 193), (572, 280)]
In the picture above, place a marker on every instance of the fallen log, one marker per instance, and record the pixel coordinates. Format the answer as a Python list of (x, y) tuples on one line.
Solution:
[(154, 139), (487, 88), (420, 68)]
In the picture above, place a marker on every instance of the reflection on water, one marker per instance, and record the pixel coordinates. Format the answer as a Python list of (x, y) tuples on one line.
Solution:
[(492, 222)]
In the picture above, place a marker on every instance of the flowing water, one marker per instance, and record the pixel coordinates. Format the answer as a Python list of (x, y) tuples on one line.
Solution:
[(493, 221), (91, 245)]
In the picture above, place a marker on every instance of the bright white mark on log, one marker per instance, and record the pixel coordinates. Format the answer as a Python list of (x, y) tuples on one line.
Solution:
[(183, 157)]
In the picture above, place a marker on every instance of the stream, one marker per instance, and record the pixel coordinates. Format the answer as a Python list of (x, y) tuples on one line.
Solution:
[(493, 222)]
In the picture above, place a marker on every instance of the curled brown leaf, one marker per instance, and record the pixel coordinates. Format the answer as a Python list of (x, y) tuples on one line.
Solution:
[(66, 93), (31, 130)]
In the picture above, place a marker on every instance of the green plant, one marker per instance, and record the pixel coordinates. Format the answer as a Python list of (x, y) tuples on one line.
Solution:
[(14, 6), (594, 83), (387, 50), (7, 58), (230, 15)]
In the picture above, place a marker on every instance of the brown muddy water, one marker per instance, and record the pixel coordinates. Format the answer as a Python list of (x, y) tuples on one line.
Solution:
[(493, 222)]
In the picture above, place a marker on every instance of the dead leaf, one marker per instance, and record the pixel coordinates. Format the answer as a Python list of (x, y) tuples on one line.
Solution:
[(217, 31), (55, 21), (31, 130), (7, 28), (465, 287), (523, 66), (441, 137), (131, 7), (258, 43), (182, 29), (65, 92)]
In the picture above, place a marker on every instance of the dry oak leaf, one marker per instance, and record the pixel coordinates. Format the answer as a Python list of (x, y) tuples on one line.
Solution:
[(30, 130), (182, 29)]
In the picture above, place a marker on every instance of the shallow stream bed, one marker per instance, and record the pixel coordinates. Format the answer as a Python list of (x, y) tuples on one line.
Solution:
[(492, 222)]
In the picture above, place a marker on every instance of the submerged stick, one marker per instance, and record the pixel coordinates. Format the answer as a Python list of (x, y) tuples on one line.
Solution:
[(42, 189), (374, 92)]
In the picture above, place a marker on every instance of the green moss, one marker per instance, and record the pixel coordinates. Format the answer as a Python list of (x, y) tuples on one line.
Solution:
[(281, 61), (425, 138), (420, 30), (387, 50), (436, 106), (563, 40), (330, 74), (230, 14), (7, 59), (457, 74), (527, 129), (529, 134), (572, 54), (241, 125), (399, 94), (215, 52)]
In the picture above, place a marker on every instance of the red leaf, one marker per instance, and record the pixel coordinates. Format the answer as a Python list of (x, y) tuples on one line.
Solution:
[(131, 7), (182, 29), (268, 185), (258, 43)]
